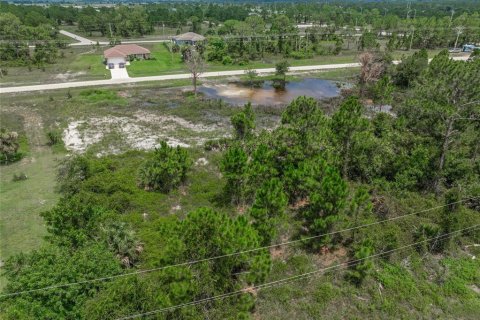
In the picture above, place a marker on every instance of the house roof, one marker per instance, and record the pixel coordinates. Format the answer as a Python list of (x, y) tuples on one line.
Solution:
[(189, 36), (124, 50)]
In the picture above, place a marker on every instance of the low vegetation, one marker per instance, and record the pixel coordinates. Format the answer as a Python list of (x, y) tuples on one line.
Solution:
[(315, 173), (9, 147), (166, 170)]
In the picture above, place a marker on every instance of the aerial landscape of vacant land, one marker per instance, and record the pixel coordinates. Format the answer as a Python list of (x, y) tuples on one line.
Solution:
[(240, 160)]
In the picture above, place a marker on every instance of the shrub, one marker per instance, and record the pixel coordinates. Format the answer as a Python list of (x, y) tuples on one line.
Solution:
[(72, 172), (227, 60), (20, 177), (217, 144), (9, 144), (360, 270), (425, 232), (54, 137), (166, 170), (244, 122), (298, 55), (243, 61)]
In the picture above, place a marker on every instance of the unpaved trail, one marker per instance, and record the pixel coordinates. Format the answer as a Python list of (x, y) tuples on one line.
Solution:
[(33, 126), (21, 227)]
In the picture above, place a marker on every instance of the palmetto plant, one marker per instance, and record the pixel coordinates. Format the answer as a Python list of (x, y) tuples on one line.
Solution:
[(122, 241), (8, 145)]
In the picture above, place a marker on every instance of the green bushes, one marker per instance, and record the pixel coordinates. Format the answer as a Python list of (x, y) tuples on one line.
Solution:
[(101, 95), (166, 170), (298, 55), (227, 60), (71, 172), (244, 122), (19, 177), (54, 137), (217, 144), (364, 265)]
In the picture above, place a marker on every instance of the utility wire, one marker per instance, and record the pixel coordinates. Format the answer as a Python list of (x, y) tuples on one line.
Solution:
[(226, 255), (290, 279)]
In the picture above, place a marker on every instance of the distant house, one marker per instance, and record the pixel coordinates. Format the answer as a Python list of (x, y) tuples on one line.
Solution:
[(469, 47), (189, 38), (120, 54)]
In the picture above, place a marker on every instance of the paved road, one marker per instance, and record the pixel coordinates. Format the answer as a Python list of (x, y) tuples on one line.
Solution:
[(87, 42), (64, 85), (82, 41), (78, 84)]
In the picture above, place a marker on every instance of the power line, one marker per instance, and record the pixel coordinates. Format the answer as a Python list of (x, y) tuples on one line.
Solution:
[(227, 255), (290, 279)]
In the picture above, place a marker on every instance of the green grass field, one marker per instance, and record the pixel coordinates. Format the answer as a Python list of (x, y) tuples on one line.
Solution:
[(77, 64), (162, 62), (21, 227)]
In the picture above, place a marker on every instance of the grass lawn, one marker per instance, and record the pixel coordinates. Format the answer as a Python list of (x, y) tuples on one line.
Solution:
[(166, 63), (77, 64), (92, 64), (162, 62), (21, 227)]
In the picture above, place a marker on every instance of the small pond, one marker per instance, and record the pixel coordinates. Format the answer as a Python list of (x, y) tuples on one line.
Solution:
[(266, 94)]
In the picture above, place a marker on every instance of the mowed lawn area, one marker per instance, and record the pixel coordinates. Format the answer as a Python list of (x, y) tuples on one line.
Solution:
[(162, 62)]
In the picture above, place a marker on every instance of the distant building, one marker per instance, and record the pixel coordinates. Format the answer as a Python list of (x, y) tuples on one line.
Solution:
[(469, 47), (189, 38), (120, 54)]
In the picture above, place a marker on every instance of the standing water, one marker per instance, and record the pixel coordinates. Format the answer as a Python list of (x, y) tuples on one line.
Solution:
[(238, 94)]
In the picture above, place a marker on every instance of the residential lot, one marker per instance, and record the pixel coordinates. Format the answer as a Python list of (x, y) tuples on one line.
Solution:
[(78, 63)]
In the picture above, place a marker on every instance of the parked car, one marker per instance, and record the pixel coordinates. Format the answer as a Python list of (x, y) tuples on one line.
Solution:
[(111, 66), (121, 65)]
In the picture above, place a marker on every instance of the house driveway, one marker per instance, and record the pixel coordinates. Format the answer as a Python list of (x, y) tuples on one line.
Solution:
[(119, 73)]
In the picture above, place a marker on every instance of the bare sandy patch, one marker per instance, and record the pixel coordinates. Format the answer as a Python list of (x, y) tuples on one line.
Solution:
[(173, 122), (143, 131), (69, 75)]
